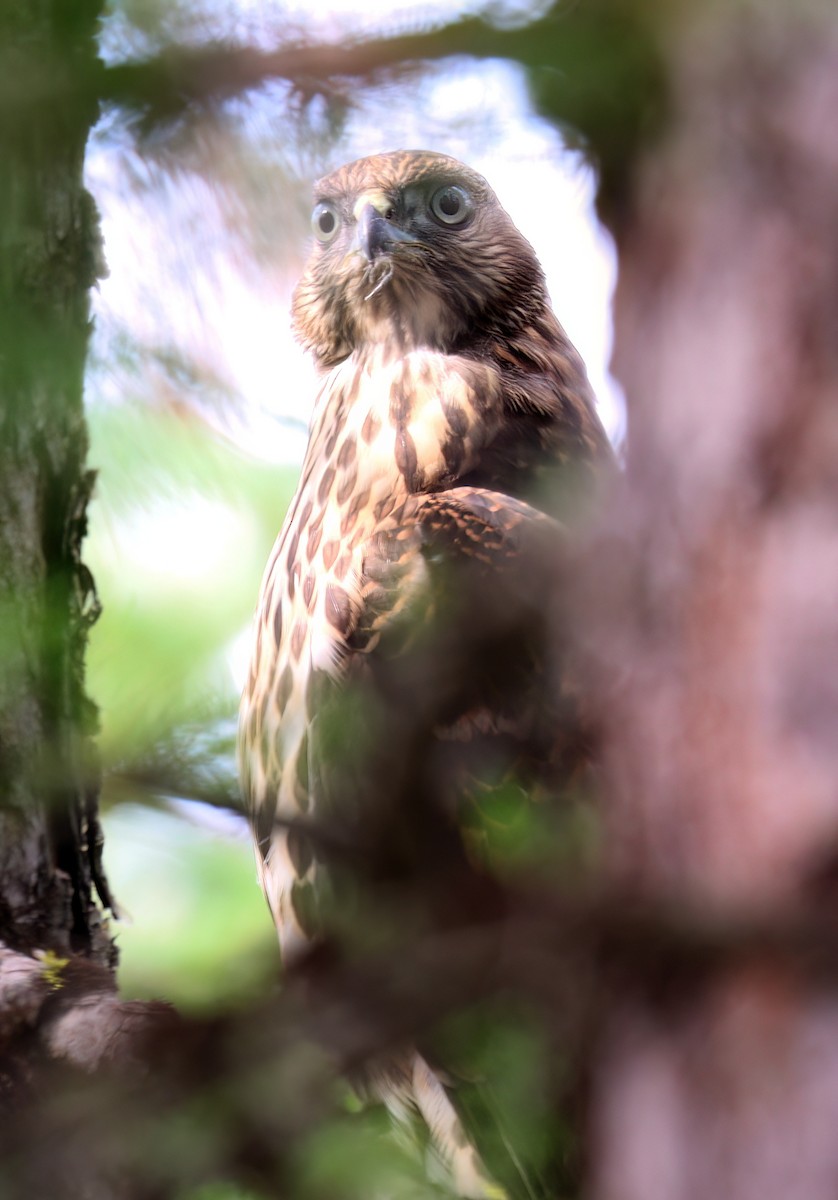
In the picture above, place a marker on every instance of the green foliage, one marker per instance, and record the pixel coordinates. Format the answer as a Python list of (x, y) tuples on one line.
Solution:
[(219, 1191), (360, 1156), (519, 832), (180, 528), (196, 930), (506, 1074)]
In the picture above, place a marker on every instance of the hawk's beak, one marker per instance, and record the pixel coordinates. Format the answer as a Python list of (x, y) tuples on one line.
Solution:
[(376, 235)]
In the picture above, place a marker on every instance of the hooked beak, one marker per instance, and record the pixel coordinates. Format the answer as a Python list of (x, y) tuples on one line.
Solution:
[(376, 235)]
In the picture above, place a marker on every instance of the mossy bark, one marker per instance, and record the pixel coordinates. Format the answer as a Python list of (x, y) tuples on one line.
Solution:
[(49, 833)]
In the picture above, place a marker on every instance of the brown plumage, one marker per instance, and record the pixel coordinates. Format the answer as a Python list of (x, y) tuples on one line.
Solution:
[(411, 571)]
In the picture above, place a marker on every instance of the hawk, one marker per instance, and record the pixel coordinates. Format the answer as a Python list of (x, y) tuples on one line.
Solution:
[(399, 628)]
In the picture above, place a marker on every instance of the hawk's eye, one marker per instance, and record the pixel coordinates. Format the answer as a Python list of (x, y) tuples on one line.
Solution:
[(451, 205), (325, 221)]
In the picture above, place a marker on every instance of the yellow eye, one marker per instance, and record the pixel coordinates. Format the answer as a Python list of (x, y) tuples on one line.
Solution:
[(325, 221), (451, 205)]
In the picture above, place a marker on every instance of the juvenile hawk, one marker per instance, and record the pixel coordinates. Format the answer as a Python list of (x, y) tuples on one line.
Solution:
[(451, 399)]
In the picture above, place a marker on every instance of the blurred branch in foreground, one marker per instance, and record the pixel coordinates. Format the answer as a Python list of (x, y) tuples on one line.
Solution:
[(268, 1071), (714, 589)]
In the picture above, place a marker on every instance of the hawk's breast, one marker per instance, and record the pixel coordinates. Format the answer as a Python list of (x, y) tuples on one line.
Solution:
[(384, 427)]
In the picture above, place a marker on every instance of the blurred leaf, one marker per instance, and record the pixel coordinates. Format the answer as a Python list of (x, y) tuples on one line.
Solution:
[(220, 1191), (359, 1157), (504, 1074), (517, 831)]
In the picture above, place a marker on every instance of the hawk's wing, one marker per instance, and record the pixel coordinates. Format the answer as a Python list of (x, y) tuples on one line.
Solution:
[(447, 688), (453, 688), (453, 628), (451, 683)]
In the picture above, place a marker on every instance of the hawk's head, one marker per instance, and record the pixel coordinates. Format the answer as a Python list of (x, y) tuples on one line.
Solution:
[(412, 247)]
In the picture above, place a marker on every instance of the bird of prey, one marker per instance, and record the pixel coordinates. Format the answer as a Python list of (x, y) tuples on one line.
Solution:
[(413, 556)]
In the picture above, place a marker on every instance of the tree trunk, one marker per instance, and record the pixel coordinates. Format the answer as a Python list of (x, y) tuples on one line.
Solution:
[(49, 833), (719, 1077)]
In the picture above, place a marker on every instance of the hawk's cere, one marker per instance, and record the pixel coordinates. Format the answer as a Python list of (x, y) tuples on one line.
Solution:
[(451, 400)]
